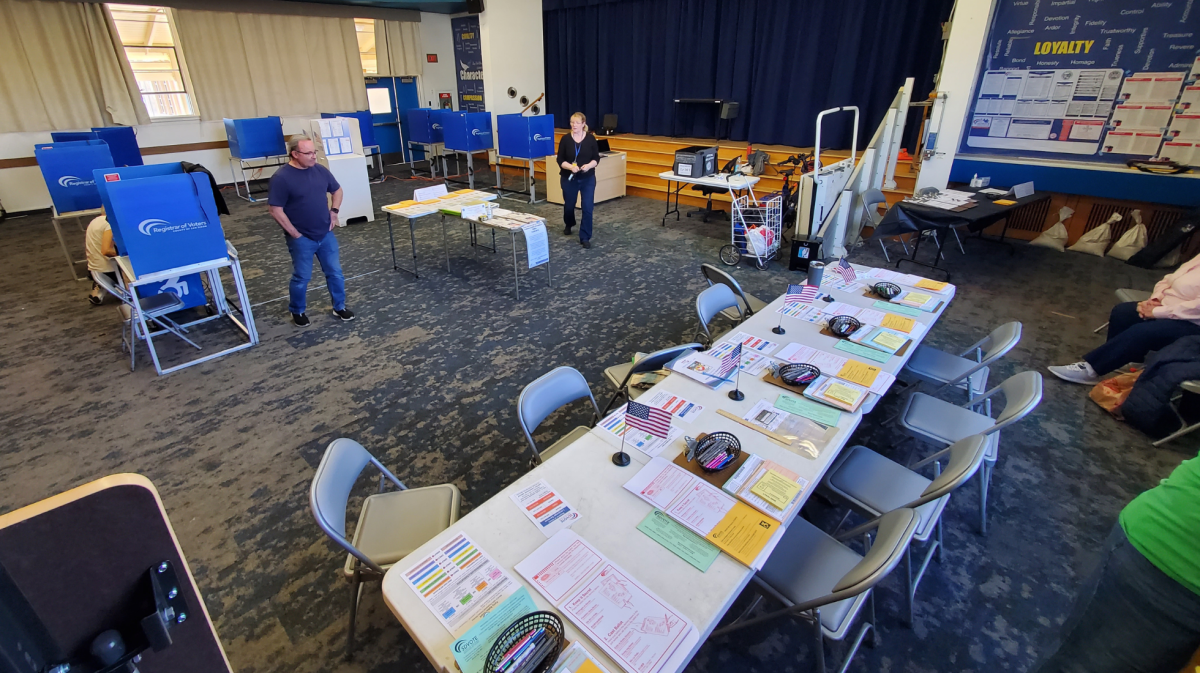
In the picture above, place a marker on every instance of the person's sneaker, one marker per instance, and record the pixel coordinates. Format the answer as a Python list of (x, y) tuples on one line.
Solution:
[(300, 319), (96, 301), (586, 244), (346, 315), (567, 231), (1079, 372)]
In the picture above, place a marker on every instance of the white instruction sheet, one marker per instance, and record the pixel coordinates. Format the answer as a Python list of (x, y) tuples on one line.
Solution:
[(537, 247), (548, 510), (459, 583)]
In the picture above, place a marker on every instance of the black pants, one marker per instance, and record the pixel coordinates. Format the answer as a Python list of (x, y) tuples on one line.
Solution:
[(583, 185), (1131, 337)]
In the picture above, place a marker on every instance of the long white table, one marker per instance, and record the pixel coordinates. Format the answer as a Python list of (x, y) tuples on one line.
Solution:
[(585, 476), (732, 183)]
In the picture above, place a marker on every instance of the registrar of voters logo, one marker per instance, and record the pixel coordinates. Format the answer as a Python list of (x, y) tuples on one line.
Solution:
[(72, 181), (537, 138), (157, 226), (480, 132)]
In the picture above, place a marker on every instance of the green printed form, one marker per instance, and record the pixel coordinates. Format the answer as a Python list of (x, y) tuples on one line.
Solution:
[(679, 540), (863, 351), (897, 308), (471, 650), (816, 411)]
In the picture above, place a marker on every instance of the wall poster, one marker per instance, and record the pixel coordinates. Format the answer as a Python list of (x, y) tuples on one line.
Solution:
[(468, 61)]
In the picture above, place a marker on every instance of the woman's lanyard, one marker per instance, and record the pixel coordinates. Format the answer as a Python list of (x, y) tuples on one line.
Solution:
[(576, 161)]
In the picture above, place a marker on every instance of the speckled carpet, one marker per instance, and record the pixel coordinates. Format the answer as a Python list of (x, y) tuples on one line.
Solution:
[(427, 378)]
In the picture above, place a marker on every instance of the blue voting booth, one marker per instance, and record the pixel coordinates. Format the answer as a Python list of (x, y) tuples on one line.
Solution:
[(122, 142), (366, 128), (164, 218), (525, 137), (467, 131), (255, 138), (425, 126), (67, 168)]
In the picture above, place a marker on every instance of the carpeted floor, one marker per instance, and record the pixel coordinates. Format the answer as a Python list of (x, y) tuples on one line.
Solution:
[(427, 379)]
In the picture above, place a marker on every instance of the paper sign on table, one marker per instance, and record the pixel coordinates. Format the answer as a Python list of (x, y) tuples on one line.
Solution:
[(936, 286), (775, 489), (809, 409), (545, 508), (752, 362), (743, 533), (889, 341), (916, 298), (863, 351), (679, 407), (537, 248), (826, 362), (749, 343), (472, 649), (859, 372), (897, 308), (459, 583), (896, 322), (842, 393), (679, 540)]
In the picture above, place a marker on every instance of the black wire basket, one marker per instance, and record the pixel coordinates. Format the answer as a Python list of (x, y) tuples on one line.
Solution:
[(799, 373), (844, 325), (521, 628), (733, 449), (887, 290)]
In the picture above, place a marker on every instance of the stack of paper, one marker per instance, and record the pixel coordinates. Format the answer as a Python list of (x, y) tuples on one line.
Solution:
[(836, 393), (924, 301), (733, 526), (880, 338), (767, 486), (635, 627)]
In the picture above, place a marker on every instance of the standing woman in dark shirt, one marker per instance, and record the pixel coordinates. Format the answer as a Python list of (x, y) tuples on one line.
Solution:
[(578, 155)]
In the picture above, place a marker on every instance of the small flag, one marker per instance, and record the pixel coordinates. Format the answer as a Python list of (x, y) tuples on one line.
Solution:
[(801, 293), (731, 361), (651, 419), (844, 270)]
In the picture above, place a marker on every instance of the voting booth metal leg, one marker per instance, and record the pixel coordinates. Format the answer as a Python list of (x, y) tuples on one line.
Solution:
[(241, 163), (56, 219), (412, 238), (516, 276), (377, 162), (527, 173)]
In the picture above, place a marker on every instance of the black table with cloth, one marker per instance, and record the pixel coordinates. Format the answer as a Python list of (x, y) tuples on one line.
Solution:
[(906, 217)]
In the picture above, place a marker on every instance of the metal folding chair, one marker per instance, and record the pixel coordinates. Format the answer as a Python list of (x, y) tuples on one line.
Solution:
[(711, 302), (154, 308), (871, 199), (749, 303), (544, 396), (967, 371), (619, 375)]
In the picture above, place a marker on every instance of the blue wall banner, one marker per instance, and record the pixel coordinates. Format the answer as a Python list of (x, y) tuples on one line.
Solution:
[(1089, 80), (468, 63)]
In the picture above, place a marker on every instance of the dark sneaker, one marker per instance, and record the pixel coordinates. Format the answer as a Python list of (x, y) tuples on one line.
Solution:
[(96, 301), (586, 244), (300, 319), (567, 231), (346, 315)]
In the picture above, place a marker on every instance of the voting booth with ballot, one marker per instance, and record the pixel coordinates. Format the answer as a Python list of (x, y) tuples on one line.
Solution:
[(122, 142), (168, 234), (67, 168), (257, 139), (340, 149), (525, 139), (425, 132), (466, 133)]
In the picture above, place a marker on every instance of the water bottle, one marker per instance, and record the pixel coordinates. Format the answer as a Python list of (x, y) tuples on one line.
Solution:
[(815, 271)]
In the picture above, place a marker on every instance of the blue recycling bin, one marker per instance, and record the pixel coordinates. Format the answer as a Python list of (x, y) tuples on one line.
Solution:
[(366, 128), (525, 137), (122, 142), (256, 138), (425, 126), (467, 131), (67, 168), (165, 221)]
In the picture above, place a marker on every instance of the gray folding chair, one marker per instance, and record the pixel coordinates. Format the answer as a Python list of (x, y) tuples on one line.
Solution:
[(873, 485), (391, 524), (826, 583), (871, 200), (713, 301), (1126, 295), (619, 375), (967, 371), (943, 423), (544, 396), (1192, 387), (155, 309), (749, 303)]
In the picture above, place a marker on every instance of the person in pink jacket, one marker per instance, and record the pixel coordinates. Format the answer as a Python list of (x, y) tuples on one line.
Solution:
[(1137, 328)]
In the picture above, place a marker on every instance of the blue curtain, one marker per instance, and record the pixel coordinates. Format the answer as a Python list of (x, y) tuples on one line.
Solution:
[(782, 60)]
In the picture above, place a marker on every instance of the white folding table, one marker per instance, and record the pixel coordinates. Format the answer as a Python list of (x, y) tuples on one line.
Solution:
[(733, 183)]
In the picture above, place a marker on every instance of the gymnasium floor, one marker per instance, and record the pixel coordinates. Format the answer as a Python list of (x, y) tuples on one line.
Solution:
[(427, 378)]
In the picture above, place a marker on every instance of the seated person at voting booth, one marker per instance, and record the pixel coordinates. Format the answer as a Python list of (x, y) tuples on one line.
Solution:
[(578, 156), (100, 251), (298, 203)]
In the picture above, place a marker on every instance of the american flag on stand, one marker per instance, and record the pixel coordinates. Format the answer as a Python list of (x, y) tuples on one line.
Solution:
[(801, 293), (650, 419), (844, 270), (731, 361)]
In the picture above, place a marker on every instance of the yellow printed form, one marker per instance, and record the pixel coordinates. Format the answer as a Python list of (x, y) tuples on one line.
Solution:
[(917, 299), (898, 323), (936, 286), (858, 372), (843, 394), (743, 533), (776, 489), (403, 204), (889, 341), (587, 667)]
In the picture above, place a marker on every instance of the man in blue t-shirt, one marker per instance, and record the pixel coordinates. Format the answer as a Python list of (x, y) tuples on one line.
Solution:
[(297, 201)]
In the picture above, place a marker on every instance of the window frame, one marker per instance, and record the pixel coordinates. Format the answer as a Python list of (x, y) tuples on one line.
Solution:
[(184, 75), (375, 36)]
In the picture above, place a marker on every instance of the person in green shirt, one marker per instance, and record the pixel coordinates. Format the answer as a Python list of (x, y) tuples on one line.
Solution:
[(1139, 612)]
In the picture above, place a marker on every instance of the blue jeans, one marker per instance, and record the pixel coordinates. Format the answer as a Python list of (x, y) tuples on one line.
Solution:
[(303, 250), (1129, 617), (1131, 338), (585, 189)]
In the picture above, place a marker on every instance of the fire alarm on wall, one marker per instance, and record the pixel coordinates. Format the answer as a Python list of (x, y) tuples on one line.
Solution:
[(431, 58)]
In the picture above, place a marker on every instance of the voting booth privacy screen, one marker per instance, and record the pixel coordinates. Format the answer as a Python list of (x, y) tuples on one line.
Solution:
[(67, 168), (1089, 81), (166, 221), (255, 138), (467, 131), (122, 142), (104, 176), (425, 126), (366, 128), (525, 137)]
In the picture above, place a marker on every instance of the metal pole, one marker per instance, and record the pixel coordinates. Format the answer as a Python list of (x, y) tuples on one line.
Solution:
[(516, 278)]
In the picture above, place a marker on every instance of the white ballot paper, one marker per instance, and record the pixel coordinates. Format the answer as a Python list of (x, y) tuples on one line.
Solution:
[(537, 248), (827, 362), (460, 584), (545, 508), (630, 623)]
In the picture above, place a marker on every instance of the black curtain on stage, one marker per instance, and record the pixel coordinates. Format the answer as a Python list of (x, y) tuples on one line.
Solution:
[(782, 60)]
